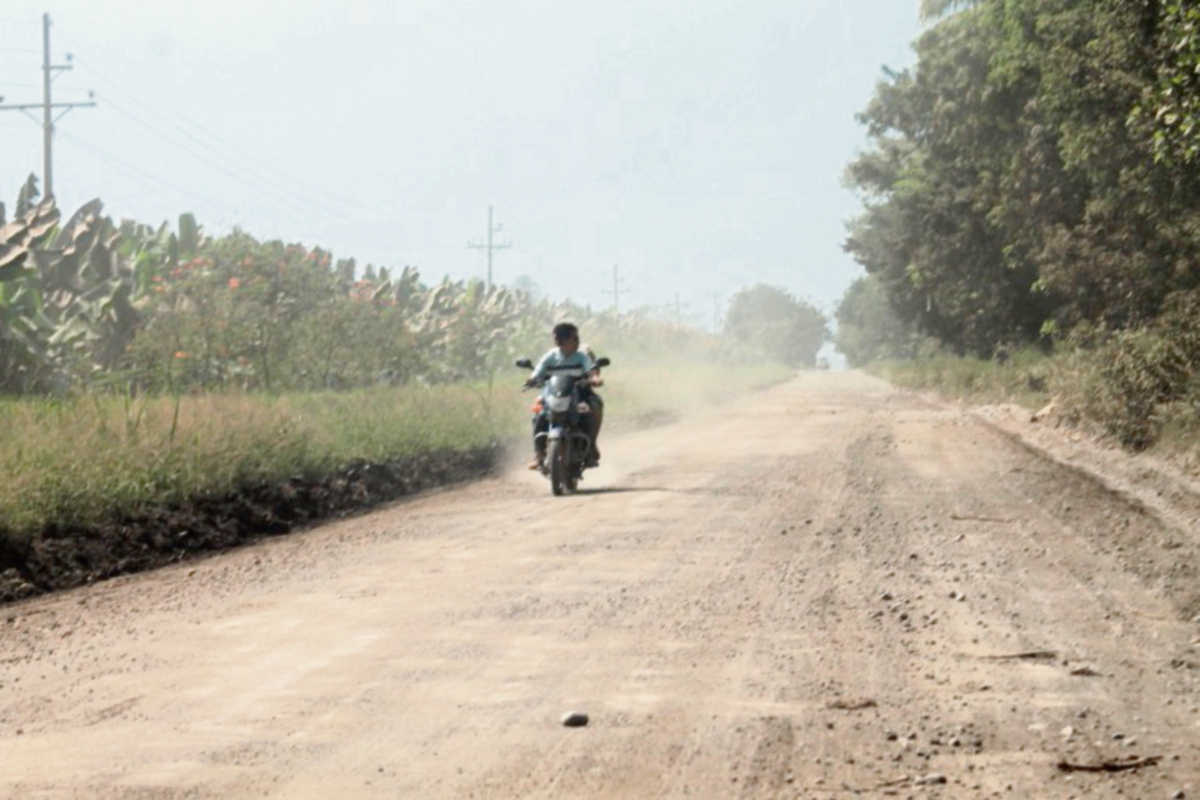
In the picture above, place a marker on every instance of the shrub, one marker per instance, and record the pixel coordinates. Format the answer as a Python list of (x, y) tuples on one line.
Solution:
[(1126, 381)]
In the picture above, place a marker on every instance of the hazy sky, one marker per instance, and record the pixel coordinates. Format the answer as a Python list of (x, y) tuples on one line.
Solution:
[(696, 144)]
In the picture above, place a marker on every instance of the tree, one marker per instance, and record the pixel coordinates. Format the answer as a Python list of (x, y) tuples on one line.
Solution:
[(1172, 103), (1024, 177), (937, 232), (1126, 240), (934, 9), (768, 322), (867, 327)]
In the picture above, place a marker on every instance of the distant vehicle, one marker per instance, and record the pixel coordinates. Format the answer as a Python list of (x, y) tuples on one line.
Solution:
[(822, 363)]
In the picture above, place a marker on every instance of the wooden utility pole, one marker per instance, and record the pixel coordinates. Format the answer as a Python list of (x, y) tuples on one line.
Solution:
[(47, 120), (489, 246), (617, 291), (47, 107)]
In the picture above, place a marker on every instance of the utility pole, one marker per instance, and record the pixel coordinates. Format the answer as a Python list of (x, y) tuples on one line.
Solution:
[(617, 291), (716, 312), (47, 121), (47, 107), (490, 246)]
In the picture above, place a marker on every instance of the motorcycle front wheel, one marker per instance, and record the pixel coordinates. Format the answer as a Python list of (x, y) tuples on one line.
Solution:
[(558, 458)]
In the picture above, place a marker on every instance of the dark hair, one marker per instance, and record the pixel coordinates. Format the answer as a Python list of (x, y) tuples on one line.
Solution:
[(564, 331)]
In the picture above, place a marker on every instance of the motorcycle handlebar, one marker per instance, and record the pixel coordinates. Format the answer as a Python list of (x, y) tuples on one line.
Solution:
[(536, 384)]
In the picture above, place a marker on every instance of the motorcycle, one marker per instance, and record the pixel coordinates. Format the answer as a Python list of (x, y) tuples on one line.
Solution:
[(567, 445)]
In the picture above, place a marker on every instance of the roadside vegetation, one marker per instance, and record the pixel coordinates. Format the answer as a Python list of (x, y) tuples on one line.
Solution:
[(70, 462), (164, 392), (1030, 228), (1139, 389), (73, 461)]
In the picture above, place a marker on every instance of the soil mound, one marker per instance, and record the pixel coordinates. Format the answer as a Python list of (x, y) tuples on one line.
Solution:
[(64, 557)]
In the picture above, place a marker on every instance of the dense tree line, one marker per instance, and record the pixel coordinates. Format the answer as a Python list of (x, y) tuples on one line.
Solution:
[(1033, 176)]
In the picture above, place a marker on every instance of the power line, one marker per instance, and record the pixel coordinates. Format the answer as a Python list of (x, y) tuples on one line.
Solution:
[(276, 195), (8, 85), (114, 161), (328, 204), (264, 185), (284, 196)]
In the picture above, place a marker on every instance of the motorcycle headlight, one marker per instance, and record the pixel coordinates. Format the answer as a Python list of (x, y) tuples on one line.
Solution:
[(583, 408)]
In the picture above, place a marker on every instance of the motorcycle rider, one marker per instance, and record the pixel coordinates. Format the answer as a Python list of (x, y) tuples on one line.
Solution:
[(567, 353)]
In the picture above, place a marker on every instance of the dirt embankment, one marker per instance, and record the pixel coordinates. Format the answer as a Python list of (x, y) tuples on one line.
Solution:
[(63, 558), (1156, 536)]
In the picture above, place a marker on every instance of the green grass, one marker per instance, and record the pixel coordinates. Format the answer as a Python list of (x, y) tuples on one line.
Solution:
[(1080, 383), (66, 462), (1027, 379), (70, 462)]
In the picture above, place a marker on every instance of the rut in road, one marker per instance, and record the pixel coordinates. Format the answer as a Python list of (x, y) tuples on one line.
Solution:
[(827, 588)]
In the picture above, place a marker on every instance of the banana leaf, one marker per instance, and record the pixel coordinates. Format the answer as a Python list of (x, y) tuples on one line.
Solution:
[(12, 261), (28, 195)]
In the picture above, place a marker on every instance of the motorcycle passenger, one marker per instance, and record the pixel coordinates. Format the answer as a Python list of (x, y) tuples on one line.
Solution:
[(595, 400), (567, 354)]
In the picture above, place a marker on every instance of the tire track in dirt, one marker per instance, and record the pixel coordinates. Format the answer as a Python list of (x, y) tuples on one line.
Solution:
[(833, 588)]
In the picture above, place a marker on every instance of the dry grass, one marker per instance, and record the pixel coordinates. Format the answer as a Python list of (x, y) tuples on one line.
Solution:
[(67, 462), (1113, 392), (1027, 379)]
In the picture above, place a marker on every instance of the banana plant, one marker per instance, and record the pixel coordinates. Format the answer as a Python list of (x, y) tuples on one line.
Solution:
[(67, 296), (24, 328)]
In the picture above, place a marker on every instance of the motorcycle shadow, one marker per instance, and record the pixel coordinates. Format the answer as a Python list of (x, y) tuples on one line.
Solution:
[(622, 490)]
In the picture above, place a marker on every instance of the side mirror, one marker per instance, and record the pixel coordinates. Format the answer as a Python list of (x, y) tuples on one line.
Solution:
[(524, 363), (602, 362)]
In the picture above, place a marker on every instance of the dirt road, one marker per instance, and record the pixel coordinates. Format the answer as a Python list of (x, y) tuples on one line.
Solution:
[(826, 589)]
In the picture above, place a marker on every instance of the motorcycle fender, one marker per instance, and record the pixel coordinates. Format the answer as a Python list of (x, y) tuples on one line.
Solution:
[(558, 433)]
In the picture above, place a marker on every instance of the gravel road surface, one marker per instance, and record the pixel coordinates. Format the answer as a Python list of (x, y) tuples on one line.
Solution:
[(827, 589)]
